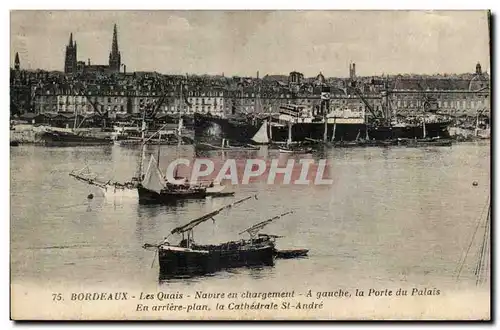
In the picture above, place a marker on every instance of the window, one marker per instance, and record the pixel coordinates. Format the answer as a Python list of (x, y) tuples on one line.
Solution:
[(109, 99)]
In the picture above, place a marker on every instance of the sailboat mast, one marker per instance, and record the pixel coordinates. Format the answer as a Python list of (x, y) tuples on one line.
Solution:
[(158, 154), (180, 111), (476, 131), (143, 135), (325, 131), (74, 123), (289, 141), (334, 128)]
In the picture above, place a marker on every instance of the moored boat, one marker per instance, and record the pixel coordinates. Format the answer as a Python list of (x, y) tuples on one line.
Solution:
[(154, 189), (110, 189), (225, 146), (63, 139), (291, 253), (190, 258)]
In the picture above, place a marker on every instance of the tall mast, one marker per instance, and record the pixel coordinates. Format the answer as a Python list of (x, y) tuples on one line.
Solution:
[(325, 131), (143, 134), (159, 147), (334, 127), (76, 116), (289, 140), (476, 131), (387, 104)]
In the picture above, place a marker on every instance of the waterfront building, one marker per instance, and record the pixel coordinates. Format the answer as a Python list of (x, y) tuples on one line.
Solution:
[(453, 96)]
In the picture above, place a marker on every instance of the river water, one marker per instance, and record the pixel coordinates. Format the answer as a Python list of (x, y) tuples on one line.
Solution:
[(392, 215)]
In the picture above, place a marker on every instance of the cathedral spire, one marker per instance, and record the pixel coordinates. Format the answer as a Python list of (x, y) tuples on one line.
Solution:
[(17, 63), (114, 56), (114, 47), (70, 58)]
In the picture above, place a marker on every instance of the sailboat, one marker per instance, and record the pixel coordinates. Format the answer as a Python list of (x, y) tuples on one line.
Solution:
[(191, 258), (262, 136), (155, 189), (110, 189), (113, 189)]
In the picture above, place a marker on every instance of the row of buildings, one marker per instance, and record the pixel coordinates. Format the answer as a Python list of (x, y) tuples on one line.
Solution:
[(85, 89), (405, 96)]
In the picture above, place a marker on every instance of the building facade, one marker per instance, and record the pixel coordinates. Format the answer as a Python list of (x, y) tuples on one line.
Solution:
[(455, 97)]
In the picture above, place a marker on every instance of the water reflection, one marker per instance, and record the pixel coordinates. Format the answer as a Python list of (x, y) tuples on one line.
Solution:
[(255, 272)]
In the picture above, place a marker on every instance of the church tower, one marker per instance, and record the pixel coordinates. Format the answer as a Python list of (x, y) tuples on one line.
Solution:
[(17, 63), (114, 56), (70, 57)]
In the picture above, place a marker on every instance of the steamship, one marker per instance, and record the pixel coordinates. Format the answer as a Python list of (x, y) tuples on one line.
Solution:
[(301, 124)]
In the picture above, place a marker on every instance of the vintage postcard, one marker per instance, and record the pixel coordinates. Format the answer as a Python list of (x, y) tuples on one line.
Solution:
[(250, 165)]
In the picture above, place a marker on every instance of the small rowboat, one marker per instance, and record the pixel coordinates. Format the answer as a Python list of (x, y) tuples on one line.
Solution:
[(289, 254), (296, 151), (208, 146)]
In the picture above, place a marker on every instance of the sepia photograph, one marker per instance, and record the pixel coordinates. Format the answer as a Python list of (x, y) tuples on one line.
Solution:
[(250, 165)]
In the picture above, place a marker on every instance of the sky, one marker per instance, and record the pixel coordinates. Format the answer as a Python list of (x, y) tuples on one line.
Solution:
[(271, 42)]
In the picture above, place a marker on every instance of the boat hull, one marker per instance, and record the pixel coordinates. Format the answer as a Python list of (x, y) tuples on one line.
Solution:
[(176, 261), (244, 130), (432, 130), (112, 192), (316, 131), (66, 139), (291, 254), (209, 127), (147, 196)]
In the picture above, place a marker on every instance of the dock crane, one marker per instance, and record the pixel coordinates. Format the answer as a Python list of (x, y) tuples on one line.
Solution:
[(81, 89), (377, 117), (429, 103)]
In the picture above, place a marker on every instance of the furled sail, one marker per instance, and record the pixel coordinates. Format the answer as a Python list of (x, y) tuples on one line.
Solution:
[(153, 180), (252, 231), (261, 135), (208, 216)]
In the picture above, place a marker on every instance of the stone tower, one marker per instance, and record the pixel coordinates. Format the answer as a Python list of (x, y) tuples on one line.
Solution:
[(114, 56), (70, 58), (352, 71), (478, 69)]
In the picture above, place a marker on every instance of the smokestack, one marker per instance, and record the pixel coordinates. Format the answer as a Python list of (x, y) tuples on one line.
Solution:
[(124, 69), (257, 74)]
